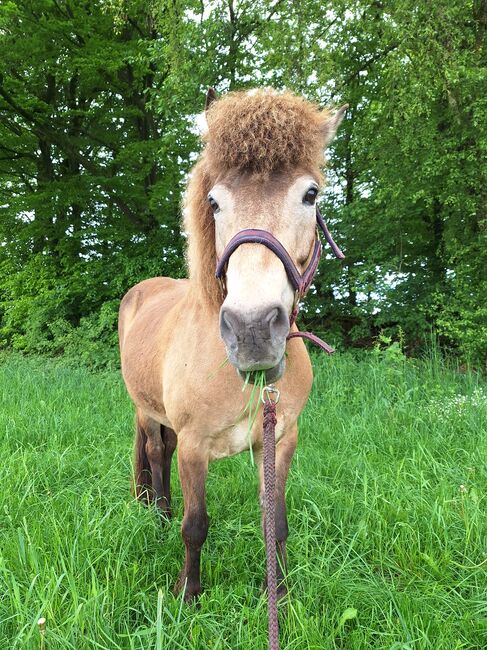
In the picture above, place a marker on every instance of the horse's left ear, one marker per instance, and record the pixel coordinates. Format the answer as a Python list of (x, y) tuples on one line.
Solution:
[(331, 126), (211, 97)]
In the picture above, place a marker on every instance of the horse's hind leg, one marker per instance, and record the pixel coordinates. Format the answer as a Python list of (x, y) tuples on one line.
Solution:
[(284, 454), (156, 452), (142, 469), (149, 470), (169, 440)]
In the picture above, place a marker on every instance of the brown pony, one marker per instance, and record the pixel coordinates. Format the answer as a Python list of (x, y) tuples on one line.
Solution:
[(260, 168)]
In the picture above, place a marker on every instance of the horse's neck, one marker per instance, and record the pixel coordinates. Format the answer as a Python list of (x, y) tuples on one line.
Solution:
[(203, 299)]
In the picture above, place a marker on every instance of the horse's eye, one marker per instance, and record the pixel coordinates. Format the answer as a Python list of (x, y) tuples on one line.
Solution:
[(310, 197), (213, 204)]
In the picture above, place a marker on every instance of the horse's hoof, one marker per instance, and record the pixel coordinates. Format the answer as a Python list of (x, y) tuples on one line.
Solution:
[(165, 516), (191, 592), (163, 507), (192, 599)]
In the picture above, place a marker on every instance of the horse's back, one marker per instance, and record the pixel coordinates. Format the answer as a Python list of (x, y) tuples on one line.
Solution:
[(152, 299)]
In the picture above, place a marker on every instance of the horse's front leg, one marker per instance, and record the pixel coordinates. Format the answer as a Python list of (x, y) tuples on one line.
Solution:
[(284, 454), (193, 470)]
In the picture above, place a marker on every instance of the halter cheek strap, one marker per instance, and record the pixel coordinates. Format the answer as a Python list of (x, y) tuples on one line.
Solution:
[(300, 282), (324, 229)]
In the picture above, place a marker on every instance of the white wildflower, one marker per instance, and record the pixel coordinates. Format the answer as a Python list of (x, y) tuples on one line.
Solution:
[(459, 405)]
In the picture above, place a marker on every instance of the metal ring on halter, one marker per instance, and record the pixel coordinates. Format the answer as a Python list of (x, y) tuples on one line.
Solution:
[(269, 390)]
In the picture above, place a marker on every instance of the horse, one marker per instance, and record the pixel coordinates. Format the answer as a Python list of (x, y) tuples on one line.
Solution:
[(259, 171)]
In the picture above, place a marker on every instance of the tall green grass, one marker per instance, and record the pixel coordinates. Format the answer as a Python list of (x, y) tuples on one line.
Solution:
[(387, 517)]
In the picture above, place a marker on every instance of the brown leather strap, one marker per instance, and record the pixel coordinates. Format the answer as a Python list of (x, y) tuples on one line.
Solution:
[(324, 229), (314, 339), (299, 282)]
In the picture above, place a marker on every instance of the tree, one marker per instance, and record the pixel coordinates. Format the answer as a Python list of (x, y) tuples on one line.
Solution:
[(90, 191), (97, 107)]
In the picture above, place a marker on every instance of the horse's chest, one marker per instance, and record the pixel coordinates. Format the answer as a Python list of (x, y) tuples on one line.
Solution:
[(237, 439)]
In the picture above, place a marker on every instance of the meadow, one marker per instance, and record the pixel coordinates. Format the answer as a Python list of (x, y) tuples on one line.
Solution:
[(387, 514)]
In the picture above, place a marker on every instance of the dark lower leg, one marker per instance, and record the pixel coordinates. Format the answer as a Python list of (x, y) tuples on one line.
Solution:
[(169, 440), (155, 451), (192, 472), (142, 473), (194, 532), (282, 533)]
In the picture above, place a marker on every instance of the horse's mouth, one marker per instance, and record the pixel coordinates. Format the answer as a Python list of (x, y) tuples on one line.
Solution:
[(271, 374)]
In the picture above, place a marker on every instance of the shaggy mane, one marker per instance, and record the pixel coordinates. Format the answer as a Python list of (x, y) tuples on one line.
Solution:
[(259, 132)]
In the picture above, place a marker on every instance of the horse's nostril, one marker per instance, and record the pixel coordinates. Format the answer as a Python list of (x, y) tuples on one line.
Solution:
[(227, 323), (278, 323), (272, 315)]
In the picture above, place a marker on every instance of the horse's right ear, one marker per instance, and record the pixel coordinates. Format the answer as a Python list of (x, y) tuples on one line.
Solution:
[(333, 123), (211, 97)]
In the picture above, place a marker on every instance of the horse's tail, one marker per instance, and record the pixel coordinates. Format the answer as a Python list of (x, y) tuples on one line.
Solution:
[(142, 471)]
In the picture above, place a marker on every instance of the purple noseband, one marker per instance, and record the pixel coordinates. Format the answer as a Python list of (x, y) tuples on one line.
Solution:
[(300, 282)]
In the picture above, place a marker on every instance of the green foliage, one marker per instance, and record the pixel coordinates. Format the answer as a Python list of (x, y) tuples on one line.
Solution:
[(462, 314), (389, 350), (94, 342), (89, 192), (386, 501), (97, 105)]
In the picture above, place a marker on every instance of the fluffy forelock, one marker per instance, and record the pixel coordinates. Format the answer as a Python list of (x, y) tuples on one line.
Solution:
[(264, 131), (258, 132)]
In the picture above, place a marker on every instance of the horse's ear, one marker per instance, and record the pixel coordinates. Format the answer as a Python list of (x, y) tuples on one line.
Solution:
[(211, 96), (331, 126)]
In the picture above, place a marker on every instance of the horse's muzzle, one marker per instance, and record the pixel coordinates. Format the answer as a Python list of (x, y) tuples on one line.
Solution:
[(255, 339)]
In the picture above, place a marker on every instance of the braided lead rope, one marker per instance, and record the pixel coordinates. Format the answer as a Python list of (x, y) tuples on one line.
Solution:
[(269, 435)]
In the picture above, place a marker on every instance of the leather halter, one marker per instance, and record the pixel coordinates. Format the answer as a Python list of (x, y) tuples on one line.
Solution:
[(300, 282)]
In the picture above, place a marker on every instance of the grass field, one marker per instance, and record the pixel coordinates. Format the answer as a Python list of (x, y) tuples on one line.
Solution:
[(387, 510)]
